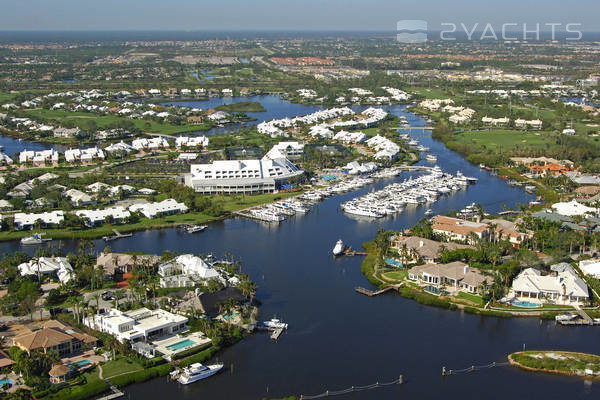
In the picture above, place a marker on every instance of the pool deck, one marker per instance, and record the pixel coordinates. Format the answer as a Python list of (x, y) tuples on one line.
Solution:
[(162, 345)]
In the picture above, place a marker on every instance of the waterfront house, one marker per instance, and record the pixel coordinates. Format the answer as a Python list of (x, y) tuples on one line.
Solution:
[(457, 275), (159, 209), (137, 325), (98, 217), (185, 271), (210, 302), (573, 208), (64, 339), (459, 229), (84, 155), (590, 267), (423, 249), (564, 287), (27, 221)]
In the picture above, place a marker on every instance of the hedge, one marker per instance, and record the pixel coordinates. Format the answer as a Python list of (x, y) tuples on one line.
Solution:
[(427, 299), (141, 376), (190, 352), (198, 358), (80, 392), (153, 362)]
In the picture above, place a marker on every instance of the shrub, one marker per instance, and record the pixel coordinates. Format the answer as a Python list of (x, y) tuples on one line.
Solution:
[(190, 352), (198, 358)]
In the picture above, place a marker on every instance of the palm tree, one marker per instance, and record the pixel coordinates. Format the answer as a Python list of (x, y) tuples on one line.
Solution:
[(248, 288)]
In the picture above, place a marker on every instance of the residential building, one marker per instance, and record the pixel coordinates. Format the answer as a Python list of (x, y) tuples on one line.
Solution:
[(84, 155), (185, 271), (573, 208), (68, 132), (112, 263), (64, 339), (423, 249), (457, 275), (39, 158), (590, 267), (137, 325), (564, 287), (289, 150), (459, 229), (193, 141), (27, 221), (78, 198), (98, 217), (159, 209), (48, 266)]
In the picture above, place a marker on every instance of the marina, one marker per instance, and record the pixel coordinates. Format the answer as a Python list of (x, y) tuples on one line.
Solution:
[(297, 276)]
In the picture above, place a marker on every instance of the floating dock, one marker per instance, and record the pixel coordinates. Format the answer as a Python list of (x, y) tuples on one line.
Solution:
[(118, 235), (276, 333)]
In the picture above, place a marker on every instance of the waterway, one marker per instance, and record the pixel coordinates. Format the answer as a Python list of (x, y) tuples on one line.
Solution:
[(338, 338)]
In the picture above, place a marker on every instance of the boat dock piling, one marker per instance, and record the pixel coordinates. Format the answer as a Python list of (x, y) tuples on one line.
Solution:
[(376, 385), (472, 368)]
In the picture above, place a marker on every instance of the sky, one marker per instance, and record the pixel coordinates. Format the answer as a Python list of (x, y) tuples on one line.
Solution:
[(321, 15)]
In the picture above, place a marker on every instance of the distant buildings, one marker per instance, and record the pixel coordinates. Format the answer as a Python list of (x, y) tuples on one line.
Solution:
[(185, 271), (524, 124), (39, 158), (84, 155), (98, 217), (459, 229), (160, 209), (25, 221)]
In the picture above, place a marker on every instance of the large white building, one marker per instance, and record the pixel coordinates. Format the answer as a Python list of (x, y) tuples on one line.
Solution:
[(47, 266), (241, 176), (137, 325), (84, 155), (27, 221), (159, 209), (98, 217)]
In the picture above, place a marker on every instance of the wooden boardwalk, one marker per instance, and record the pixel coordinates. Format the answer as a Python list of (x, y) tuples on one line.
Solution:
[(371, 293)]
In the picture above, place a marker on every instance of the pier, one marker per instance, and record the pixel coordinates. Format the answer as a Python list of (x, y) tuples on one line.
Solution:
[(371, 293), (118, 235), (585, 319), (276, 333)]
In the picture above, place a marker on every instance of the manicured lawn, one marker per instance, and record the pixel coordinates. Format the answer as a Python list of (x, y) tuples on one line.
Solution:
[(506, 140), (471, 297), (430, 93), (118, 367), (81, 118), (399, 275)]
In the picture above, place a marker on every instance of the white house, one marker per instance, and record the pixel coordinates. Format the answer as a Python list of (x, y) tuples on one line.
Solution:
[(47, 266), (78, 198), (185, 271), (194, 141), (590, 267), (566, 287), (137, 325), (98, 217), (165, 207), (572, 208), (27, 221), (84, 155)]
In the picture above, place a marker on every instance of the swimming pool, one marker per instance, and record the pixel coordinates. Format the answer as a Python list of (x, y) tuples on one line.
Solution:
[(434, 290), (181, 345), (5, 381), (230, 317), (329, 177), (525, 304), (82, 363), (392, 262)]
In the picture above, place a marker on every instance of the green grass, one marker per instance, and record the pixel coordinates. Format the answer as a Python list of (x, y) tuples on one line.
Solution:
[(93, 387), (430, 93), (118, 367), (80, 119), (507, 140), (399, 275), (572, 364), (471, 297)]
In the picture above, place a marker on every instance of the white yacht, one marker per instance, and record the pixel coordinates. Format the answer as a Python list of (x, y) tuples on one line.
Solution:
[(36, 238), (431, 157), (195, 228), (197, 371), (339, 248), (275, 323), (429, 212)]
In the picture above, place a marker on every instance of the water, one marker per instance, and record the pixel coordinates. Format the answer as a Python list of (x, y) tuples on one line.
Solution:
[(12, 145), (181, 345), (339, 338)]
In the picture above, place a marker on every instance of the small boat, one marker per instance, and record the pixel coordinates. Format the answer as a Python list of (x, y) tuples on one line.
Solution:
[(339, 248), (36, 238), (197, 371), (566, 317), (431, 157), (275, 323), (482, 166), (429, 212), (195, 228)]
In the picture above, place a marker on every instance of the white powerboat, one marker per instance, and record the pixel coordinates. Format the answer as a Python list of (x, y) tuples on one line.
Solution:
[(197, 371), (275, 323), (36, 238), (195, 228), (431, 157), (339, 248)]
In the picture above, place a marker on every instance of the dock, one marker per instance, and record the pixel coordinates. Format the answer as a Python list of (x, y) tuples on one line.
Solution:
[(116, 393), (118, 235), (371, 293), (247, 214), (276, 333), (350, 252)]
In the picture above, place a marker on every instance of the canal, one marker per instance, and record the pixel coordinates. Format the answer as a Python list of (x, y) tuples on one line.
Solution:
[(338, 338)]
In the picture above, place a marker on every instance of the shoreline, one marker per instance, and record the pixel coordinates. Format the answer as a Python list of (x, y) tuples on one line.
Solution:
[(520, 365)]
